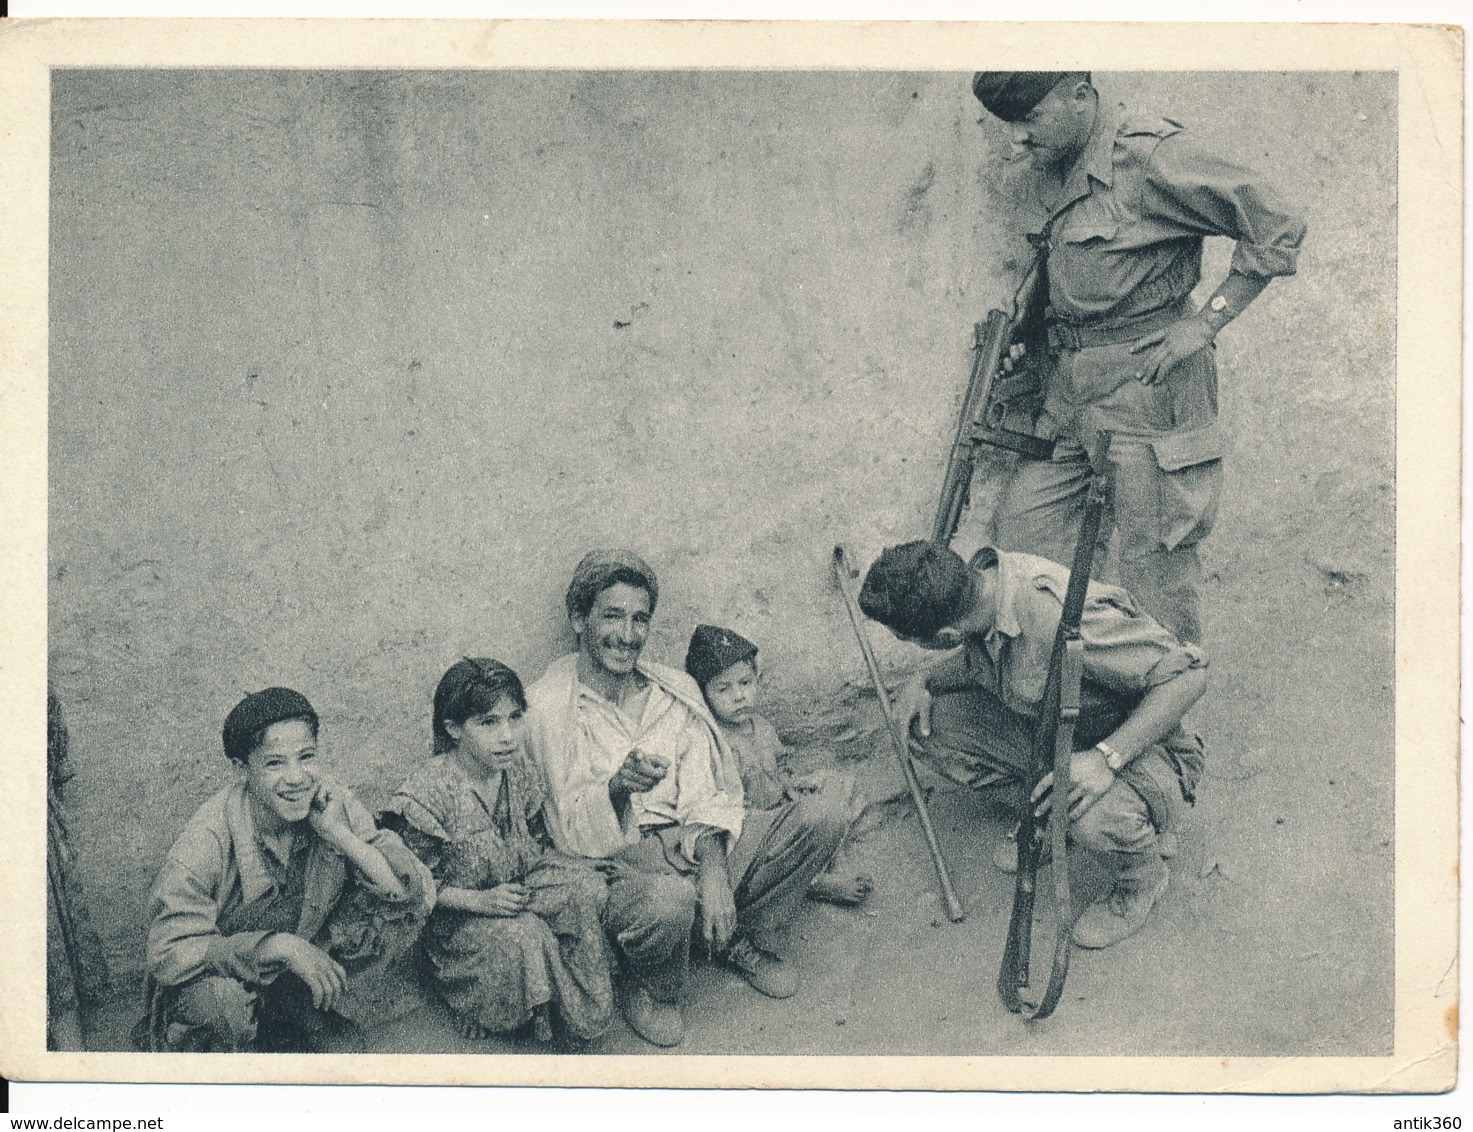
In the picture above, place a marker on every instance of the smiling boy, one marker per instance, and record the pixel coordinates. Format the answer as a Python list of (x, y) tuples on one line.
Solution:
[(278, 891)]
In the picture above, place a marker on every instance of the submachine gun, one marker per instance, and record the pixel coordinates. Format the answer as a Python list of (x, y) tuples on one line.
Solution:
[(1004, 396), (1053, 751)]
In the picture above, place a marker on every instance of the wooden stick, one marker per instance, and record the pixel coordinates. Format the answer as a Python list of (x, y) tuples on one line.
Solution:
[(844, 576)]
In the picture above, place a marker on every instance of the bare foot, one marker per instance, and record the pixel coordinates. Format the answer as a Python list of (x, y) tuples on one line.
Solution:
[(846, 890), (473, 1031)]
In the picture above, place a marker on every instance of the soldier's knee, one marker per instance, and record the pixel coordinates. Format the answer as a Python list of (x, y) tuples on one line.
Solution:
[(1119, 822)]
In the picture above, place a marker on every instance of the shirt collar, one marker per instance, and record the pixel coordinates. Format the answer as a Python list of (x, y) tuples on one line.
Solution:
[(1097, 160), (255, 877), (584, 692), (251, 849), (1005, 592)]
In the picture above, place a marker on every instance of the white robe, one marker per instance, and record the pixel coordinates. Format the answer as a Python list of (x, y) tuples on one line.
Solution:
[(580, 741)]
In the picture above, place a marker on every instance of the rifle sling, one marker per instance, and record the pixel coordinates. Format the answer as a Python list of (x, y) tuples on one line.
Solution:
[(1054, 750)]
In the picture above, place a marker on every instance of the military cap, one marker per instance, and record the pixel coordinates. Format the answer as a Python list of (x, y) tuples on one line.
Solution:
[(1009, 95), (713, 650)]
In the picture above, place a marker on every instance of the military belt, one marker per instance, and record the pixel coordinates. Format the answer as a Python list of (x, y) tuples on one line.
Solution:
[(1083, 336)]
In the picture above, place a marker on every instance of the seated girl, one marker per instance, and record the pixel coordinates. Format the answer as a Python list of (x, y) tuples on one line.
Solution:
[(279, 894), (515, 942)]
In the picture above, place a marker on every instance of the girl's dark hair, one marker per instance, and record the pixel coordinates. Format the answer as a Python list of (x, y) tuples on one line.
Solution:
[(472, 687)]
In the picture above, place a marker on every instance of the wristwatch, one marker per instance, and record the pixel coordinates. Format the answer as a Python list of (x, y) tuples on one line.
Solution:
[(1113, 758)]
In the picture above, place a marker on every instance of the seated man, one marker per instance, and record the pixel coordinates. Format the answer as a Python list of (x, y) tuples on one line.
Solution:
[(639, 775), (279, 894), (973, 711)]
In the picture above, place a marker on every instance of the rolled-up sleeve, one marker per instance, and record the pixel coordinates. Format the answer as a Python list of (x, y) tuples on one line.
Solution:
[(1210, 196), (184, 939), (420, 889), (417, 881), (1127, 651)]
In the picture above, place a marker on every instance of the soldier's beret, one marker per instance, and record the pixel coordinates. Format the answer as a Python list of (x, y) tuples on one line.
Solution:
[(1009, 95)]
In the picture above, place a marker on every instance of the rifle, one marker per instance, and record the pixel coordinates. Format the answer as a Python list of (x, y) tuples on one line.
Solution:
[(844, 575), (1053, 750), (1004, 395)]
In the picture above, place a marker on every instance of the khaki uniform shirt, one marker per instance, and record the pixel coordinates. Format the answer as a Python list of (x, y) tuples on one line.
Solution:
[(1125, 233), (1126, 652), (1124, 239)]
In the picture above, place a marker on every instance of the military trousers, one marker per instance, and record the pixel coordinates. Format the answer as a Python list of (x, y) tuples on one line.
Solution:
[(977, 741), (1164, 467)]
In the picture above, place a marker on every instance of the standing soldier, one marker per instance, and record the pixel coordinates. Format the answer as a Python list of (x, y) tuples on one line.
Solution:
[(1126, 204)]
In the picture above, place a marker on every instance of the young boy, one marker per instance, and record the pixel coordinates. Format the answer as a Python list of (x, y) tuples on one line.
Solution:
[(278, 900), (724, 664)]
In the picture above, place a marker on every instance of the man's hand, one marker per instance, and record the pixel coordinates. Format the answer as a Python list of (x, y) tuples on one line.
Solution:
[(328, 815), (324, 977), (718, 907), (638, 773), (913, 702), (1090, 779), (505, 900), (1179, 341)]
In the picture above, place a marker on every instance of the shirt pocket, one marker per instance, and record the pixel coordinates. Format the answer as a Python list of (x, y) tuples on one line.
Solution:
[(1087, 276), (1190, 466), (1085, 231)]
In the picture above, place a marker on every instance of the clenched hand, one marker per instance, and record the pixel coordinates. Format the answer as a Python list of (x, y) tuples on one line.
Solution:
[(1090, 776), (1176, 343)]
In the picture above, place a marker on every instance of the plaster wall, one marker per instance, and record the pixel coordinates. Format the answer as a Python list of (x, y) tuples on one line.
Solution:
[(349, 369)]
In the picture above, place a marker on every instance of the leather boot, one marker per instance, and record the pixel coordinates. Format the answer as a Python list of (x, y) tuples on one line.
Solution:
[(1141, 880)]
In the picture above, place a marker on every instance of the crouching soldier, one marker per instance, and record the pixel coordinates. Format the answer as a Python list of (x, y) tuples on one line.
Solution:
[(279, 897), (973, 712)]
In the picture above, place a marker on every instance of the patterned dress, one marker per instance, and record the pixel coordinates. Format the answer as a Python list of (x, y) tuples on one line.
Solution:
[(496, 970)]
